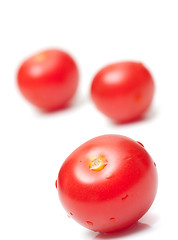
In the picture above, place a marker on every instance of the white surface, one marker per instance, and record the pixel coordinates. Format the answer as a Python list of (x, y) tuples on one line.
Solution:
[(34, 145)]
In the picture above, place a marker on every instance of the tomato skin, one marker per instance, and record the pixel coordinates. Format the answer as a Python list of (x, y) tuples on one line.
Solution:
[(123, 91), (48, 79), (115, 197)]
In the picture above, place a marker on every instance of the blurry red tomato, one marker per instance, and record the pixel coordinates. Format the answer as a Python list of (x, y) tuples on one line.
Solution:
[(123, 91), (107, 183), (48, 79)]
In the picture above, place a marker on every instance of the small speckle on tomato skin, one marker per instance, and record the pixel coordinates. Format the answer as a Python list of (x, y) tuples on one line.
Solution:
[(89, 223), (70, 214), (140, 144), (154, 164), (112, 219), (138, 98), (109, 177), (126, 196), (56, 183)]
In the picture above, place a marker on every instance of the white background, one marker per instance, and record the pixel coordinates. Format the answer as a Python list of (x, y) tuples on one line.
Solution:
[(33, 145)]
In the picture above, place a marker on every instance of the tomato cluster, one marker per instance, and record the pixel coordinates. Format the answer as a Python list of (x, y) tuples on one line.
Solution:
[(122, 91), (109, 182)]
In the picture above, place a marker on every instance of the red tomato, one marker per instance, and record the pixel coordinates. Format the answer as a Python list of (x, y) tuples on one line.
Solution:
[(48, 79), (108, 183), (123, 91)]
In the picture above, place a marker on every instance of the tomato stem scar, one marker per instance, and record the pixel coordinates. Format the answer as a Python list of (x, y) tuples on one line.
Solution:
[(89, 223), (97, 163), (40, 57)]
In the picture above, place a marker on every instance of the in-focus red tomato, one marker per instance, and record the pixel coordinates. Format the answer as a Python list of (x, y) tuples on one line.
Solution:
[(48, 79), (108, 183), (123, 91)]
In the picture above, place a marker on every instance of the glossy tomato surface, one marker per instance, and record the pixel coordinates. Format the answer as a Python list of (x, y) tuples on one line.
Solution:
[(48, 79), (108, 183), (123, 91)]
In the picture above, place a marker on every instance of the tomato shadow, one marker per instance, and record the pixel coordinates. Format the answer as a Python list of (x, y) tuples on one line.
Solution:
[(152, 113), (134, 229), (143, 225), (148, 116), (55, 110), (77, 102)]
